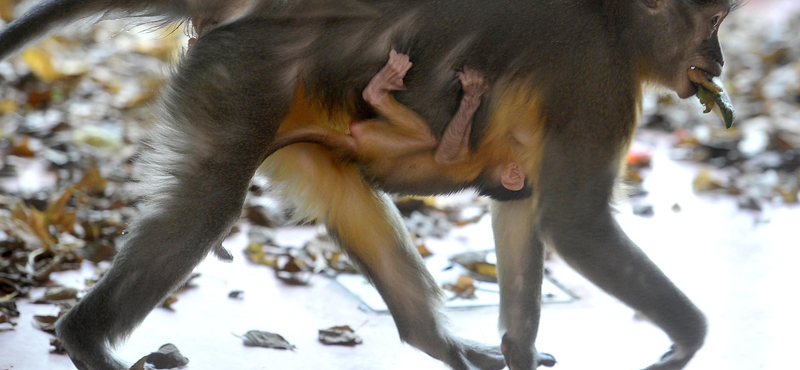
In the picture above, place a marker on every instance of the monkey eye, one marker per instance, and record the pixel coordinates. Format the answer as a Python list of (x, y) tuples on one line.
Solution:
[(715, 22)]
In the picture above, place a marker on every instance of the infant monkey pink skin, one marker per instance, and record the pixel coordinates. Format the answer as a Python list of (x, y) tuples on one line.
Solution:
[(401, 133)]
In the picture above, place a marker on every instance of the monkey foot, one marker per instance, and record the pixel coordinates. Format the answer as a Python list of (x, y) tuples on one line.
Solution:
[(483, 357), (674, 359), (524, 357)]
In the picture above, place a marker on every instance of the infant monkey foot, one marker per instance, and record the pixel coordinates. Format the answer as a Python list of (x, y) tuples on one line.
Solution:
[(473, 83), (390, 78), (522, 357)]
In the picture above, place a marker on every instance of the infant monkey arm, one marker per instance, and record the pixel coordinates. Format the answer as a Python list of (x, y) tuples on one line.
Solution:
[(454, 146)]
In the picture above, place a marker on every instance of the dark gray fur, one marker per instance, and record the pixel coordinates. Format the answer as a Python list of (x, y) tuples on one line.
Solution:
[(224, 104)]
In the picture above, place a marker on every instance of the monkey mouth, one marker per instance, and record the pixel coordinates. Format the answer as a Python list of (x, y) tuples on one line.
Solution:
[(701, 77), (711, 93)]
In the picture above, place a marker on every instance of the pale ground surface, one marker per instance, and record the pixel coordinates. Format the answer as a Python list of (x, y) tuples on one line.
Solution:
[(739, 271), (739, 267)]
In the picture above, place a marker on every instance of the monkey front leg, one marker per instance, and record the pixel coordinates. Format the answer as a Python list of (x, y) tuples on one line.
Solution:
[(601, 252), (369, 228), (574, 192), (520, 264)]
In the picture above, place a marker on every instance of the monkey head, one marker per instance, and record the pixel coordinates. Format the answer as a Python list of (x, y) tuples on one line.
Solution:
[(676, 35)]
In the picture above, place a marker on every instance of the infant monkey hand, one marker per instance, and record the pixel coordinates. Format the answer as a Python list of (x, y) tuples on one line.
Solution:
[(390, 78), (395, 70)]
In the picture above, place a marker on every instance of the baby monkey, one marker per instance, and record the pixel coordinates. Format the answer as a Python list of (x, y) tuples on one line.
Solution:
[(401, 134)]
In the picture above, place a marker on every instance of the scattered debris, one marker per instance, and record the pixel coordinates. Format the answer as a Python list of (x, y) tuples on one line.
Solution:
[(463, 288), (236, 294), (58, 348), (476, 263), (45, 323), (54, 295), (257, 338), (645, 210), (340, 336), (167, 357), (5, 322)]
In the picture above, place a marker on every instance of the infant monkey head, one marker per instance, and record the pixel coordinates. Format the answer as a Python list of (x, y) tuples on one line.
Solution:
[(503, 182)]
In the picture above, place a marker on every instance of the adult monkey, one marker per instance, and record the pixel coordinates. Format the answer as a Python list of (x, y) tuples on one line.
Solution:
[(570, 72)]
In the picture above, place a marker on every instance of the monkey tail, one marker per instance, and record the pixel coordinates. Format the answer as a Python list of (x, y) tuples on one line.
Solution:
[(42, 19), (49, 15)]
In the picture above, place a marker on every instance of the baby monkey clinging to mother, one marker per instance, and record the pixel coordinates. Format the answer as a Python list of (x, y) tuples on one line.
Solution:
[(402, 135)]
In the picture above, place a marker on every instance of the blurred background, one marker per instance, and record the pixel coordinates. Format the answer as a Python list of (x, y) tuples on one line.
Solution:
[(716, 209)]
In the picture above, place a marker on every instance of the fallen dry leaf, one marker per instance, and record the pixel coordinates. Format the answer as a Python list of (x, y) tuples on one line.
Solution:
[(40, 61), (58, 293), (339, 336), (424, 251), (167, 357), (463, 288), (236, 294), (257, 338), (6, 319), (7, 10), (45, 323), (704, 182), (22, 148), (92, 182), (476, 262)]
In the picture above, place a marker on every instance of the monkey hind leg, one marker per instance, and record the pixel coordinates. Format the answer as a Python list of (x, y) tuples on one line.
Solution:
[(369, 228), (193, 180)]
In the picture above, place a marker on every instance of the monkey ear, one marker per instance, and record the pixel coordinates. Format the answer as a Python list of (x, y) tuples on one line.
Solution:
[(512, 178)]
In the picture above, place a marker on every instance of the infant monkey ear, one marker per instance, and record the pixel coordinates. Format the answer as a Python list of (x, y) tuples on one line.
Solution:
[(512, 177)]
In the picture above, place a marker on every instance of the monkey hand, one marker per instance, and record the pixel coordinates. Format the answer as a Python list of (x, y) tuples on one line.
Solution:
[(473, 83)]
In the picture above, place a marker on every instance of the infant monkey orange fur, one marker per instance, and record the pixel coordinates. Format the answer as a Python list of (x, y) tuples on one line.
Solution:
[(403, 133)]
